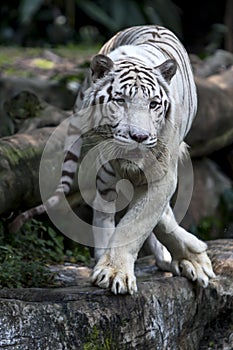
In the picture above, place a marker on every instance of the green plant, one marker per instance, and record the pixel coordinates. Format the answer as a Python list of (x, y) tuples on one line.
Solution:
[(28, 8), (118, 14), (17, 273), (207, 228), (226, 206), (25, 256), (112, 15), (216, 226)]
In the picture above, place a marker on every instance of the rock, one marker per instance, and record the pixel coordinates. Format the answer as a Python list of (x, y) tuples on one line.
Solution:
[(214, 64), (167, 312), (212, 128), (28, 112), (209, 184), (52, 92)]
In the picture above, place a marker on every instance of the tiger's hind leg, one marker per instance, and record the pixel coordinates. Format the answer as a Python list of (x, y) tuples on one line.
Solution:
[(152, 246), (189, 257)]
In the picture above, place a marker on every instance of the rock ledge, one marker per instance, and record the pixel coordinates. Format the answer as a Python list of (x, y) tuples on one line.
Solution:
[(167, 312)]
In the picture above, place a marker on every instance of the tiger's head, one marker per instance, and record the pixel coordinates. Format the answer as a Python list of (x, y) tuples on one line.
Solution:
[(133, 100)]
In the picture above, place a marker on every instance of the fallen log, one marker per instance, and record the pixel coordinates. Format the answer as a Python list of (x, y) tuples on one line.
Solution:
[(19, 168), (20, 154)]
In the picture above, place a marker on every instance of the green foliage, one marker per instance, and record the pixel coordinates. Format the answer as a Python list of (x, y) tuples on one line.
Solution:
[(118, 14), (215, 38), (114, 15), (207, 228), (226, 206), (17, 273), (216, 226), (24, 256), (28, 8)]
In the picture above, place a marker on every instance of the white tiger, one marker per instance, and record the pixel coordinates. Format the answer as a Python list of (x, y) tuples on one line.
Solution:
[(140, 96)]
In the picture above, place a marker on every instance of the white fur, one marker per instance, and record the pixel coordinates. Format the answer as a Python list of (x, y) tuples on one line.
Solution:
[(150, 210)]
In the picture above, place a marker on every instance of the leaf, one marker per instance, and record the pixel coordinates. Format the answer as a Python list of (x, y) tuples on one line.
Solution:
[(120, 10), (96, 13), (27, 9), (168, 14)]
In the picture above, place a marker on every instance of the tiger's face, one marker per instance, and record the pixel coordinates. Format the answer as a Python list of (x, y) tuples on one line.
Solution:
[(138, 109), (134, 100)]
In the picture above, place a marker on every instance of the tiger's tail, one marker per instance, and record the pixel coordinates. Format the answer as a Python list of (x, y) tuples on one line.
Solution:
[(20, 220), (69, 167)]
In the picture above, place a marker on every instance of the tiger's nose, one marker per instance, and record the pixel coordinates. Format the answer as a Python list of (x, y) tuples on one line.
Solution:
[(138, 135)]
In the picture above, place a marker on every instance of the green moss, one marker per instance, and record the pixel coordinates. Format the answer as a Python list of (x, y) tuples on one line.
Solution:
[(99, 341), (24, 62), (8, 55), (13, 72), (211, 344), (81, 50), (15, 155), (43, 63)]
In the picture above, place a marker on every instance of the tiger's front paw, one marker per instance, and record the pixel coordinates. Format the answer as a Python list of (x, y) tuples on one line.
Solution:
[(194, 264), (118, 276)]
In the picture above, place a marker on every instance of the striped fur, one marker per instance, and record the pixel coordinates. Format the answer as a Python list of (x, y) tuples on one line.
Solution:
[(144, 85)]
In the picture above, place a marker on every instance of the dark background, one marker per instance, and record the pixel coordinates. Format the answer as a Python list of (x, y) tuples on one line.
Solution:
[(203, 26)]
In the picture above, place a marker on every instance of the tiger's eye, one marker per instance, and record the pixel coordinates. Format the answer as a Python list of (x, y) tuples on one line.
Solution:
[(153, 104)]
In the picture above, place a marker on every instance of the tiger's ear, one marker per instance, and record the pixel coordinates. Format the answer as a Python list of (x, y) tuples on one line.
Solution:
[(167, 69), (100, 65)]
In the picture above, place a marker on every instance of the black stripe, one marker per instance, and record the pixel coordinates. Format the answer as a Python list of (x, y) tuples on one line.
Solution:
[(109, 172), (124, 74), (98, 178), (114, 126), (105, 192), (81, 95), (127, 79), (66, 183), (68, 173), (101, 100), (146, 76), (71, 156), (109, 91)]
